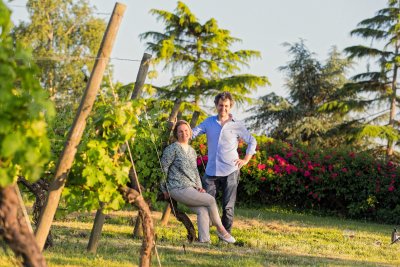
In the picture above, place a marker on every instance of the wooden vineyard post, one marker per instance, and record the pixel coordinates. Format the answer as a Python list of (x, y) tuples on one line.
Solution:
[(95, 234), (76, 131), (23, 208), (100, 216), (141, 76), (137, 92)]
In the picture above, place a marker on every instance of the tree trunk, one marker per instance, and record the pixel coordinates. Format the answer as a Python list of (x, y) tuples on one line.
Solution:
[(179, 116), (75, 134), (173, 115), (15, 231), (183, 218), (39, 190), (171, 123), (133, 197), (138, 230), (166, 214), (180, 216), (393, 101)]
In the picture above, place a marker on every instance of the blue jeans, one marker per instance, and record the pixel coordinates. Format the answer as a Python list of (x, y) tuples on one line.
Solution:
[(228, 185)]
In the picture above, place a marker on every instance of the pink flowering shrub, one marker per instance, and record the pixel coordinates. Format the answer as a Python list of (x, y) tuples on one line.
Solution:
[(200, 145), (341, 181)]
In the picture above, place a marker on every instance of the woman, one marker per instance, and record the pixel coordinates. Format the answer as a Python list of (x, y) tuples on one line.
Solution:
[(184, 185)]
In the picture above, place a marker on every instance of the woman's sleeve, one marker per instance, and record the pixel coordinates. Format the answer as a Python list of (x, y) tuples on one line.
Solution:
[(167, 159)]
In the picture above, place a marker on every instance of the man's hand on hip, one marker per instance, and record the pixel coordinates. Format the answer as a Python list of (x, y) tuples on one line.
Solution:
[(241, 162)]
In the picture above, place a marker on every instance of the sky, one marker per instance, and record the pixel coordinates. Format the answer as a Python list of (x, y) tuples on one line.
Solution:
[(263, 25)]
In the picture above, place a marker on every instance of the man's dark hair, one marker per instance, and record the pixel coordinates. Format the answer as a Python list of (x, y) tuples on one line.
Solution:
[(223, 96)]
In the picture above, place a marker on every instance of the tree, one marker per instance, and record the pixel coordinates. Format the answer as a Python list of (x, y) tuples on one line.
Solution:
[(377, 90), (24, 145), (202, 55), (201, 60), (64, 37), (310, 85)]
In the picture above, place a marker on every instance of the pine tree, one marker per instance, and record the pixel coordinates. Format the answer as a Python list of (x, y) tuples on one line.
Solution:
[(376, 91), (202, 54), (310, 85)]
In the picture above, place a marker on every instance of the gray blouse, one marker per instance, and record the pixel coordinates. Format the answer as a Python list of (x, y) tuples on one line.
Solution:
[(180, 168)]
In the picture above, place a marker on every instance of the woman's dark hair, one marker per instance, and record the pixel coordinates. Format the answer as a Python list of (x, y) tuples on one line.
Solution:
[(179, 123), (223, 96)]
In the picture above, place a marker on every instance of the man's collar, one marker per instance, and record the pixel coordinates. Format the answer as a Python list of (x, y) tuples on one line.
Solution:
[(230, 115)]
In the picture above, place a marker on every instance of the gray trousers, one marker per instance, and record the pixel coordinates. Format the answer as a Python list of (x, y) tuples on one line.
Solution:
[(228, 185), (204, 205)]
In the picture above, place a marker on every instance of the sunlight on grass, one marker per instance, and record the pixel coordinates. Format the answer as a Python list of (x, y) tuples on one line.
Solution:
[(266, 237)]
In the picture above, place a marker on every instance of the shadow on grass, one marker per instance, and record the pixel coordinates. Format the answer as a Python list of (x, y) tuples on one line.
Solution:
[(76, 232)]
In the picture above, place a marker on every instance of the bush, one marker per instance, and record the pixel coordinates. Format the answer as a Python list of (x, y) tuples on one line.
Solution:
[(341, 181)]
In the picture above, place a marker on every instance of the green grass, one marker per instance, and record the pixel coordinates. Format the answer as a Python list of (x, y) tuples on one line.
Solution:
[(267, 237)]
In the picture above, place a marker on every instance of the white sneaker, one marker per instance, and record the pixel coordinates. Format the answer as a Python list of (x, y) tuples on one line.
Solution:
[(226, 237)]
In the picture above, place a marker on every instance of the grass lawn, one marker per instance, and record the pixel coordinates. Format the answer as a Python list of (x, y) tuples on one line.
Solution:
[(268, 237)]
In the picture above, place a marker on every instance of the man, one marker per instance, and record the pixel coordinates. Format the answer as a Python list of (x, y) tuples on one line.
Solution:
[(222, 171)]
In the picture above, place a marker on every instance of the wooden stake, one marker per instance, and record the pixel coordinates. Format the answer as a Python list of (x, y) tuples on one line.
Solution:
[(23, 208), (141, 76), (100, 216), (75, 134), (95, 234)]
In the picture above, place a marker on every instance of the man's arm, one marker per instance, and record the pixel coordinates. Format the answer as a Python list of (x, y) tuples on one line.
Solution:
[(251, 146), (241, 162), (199, 130)]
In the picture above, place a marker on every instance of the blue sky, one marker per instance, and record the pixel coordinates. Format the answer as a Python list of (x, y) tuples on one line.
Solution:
[(262, 25)]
